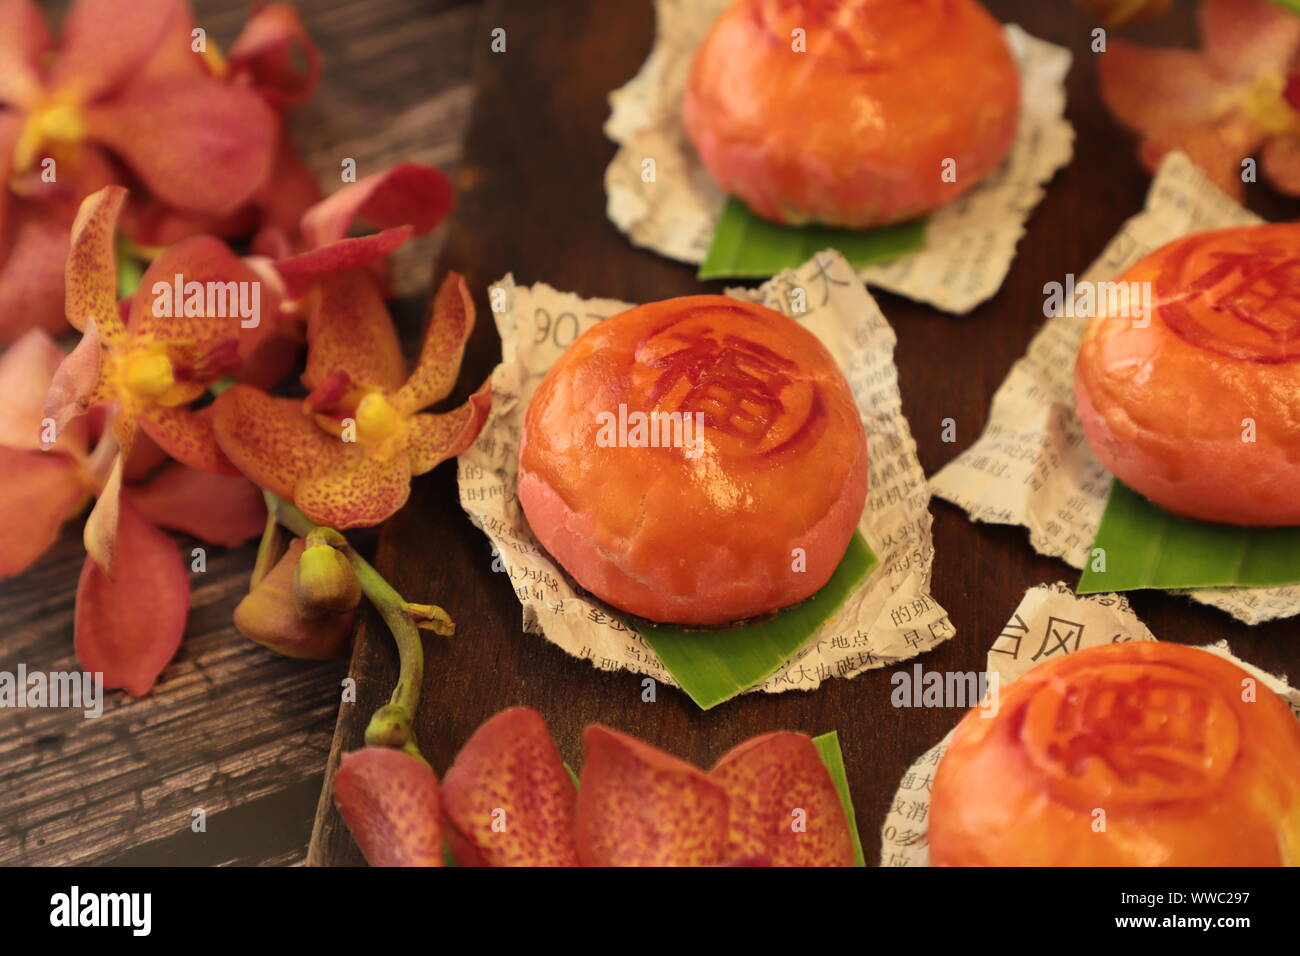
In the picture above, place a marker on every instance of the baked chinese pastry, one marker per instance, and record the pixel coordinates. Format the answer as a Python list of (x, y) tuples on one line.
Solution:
[(1137, 754), (1197, 405), (696, 461), (852, 113)]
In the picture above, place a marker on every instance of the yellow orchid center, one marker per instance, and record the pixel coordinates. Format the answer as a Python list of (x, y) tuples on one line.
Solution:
[(1265, 107), (150, 375), (57, 124), (377, 419)]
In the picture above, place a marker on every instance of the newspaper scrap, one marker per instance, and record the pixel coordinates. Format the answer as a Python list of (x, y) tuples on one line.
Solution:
[(970, 243), (1032, 465), (891, 617), (1051, 621)]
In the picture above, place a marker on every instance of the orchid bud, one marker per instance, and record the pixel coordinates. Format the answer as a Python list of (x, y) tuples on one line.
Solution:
[(324, 582), (269, 615)]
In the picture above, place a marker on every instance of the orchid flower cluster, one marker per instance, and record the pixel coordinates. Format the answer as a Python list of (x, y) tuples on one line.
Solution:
[(133, 140)]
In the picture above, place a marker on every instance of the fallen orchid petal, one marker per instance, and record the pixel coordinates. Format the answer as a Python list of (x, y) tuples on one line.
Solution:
[(507, 798), (129, 626), (225, 510), (783, 803), (638, 806), (389, 801), (269, 616)]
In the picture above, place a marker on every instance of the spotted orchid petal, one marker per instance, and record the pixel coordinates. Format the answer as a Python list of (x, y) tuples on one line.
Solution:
[(42, 490), (359, 492), (333, 482), (783, 804), (350, 331), (224, 510), (436, 437), (507, 799), (638, 806), (92, 268), (270, 439), (449, 328), (188, 436), (129, 625), (390, 802)]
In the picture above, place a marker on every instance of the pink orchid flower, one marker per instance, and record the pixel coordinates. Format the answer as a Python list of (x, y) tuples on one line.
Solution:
[(1222, 106)]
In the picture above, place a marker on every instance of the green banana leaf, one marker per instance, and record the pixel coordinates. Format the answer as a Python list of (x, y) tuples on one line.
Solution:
[(715, 666), (828, 747), (1147, 547), (746, 246)]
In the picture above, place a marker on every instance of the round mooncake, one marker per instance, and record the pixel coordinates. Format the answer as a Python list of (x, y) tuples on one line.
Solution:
[(1197, 405), (696, 461), (852, 113), (1137, 754)]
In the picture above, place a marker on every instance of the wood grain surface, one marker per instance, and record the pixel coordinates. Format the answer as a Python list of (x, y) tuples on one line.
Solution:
[(231, 728), (538, 210)]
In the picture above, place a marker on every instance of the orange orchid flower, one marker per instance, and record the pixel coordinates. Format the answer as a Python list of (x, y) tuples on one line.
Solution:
[(1219, 106), (345, 456), (634, 805), (123, 91), (153, 364)]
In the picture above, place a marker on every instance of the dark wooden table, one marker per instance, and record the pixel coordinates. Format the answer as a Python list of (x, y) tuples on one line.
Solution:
[(244, 734)]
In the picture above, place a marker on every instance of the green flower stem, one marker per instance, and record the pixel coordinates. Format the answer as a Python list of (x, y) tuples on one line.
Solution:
[(269, 550), (393, 724)]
